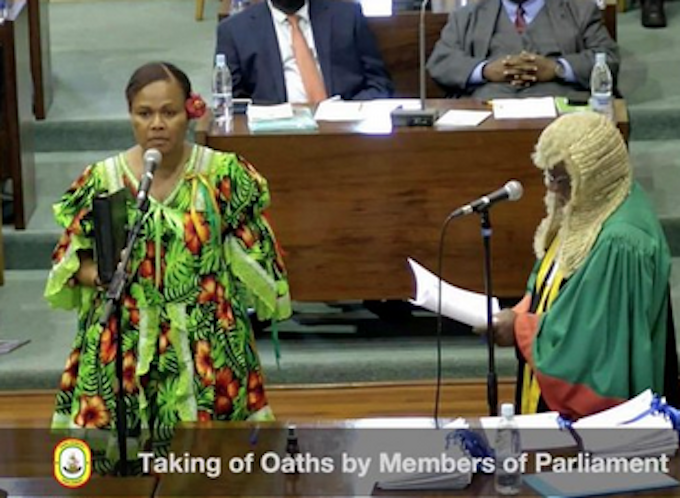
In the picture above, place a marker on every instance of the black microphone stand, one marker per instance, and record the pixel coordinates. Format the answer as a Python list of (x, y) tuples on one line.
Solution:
[(491, 380), (114, 294)]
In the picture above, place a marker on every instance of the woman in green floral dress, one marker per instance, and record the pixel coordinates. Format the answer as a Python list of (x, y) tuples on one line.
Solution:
[(205, 254)]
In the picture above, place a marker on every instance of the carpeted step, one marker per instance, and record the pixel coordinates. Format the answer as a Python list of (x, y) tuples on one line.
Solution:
[(399, 352), (334, 354), (85, 135)]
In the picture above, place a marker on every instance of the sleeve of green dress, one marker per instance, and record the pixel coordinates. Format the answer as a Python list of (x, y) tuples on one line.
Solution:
[(251, 248), (72, 213), (602, 340)]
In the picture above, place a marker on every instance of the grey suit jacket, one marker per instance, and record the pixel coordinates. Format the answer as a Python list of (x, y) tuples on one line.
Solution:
[(465, 41)]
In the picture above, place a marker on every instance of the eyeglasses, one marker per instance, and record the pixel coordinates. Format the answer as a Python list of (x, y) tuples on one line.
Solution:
[(549, 178)]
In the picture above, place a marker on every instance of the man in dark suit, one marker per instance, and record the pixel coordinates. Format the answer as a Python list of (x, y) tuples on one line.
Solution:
[(260, 46), (518, 48)]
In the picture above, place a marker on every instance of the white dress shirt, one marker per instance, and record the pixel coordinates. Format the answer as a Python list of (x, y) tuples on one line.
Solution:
[(291, 74)]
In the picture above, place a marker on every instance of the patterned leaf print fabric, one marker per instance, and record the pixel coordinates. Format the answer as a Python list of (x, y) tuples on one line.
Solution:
[(204, 256)]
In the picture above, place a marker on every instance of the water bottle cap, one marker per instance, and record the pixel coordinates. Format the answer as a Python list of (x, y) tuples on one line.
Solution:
[(220, 60), (601, 57), (507, 410)]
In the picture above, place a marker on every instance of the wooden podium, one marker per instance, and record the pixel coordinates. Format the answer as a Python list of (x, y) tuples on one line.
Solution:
[(16, 111)]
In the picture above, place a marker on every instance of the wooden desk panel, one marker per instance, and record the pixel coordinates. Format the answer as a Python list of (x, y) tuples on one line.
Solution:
[(41, 60), (129, 487), (16, 112), (350, 207), (397, 39), (329, 440)]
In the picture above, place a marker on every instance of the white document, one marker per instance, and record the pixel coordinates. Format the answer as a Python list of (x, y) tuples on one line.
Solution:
[(339, 110), (618, 415), (534, 107), (385, 106), (549, 436), (394, 423), (639, 432), (455, 118), (459, 304), (458, 423), (269, 112)]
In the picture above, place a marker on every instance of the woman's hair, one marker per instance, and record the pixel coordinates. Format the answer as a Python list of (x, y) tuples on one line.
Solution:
[(152, 72)]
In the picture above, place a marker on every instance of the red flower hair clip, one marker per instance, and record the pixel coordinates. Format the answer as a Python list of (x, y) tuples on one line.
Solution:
[(195, 106)]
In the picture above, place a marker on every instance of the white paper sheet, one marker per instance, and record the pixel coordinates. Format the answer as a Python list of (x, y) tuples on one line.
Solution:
[(385, 106), (616, 416), (339, 110), (455, 118), (534, 107), (269, 112), (459, 304)]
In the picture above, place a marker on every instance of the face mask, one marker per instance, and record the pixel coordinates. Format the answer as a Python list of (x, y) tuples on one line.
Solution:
[(288, 6)]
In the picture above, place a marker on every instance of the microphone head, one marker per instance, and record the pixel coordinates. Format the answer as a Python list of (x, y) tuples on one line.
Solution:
[(514, 190), (152, 158)]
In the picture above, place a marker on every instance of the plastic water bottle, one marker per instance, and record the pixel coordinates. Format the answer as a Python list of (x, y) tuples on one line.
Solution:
[(222, 101), (508, 478), (601, 87)]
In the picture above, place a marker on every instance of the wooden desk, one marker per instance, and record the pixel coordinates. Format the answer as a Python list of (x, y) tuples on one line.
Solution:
[(227, 441), (350, 206), (16, 111), (131, 487)]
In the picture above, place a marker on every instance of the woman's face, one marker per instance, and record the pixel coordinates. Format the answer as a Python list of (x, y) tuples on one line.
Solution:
[(159, 119)]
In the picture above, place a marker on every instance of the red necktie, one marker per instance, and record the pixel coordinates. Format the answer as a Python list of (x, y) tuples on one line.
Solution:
[(311, 77), (520, 22)]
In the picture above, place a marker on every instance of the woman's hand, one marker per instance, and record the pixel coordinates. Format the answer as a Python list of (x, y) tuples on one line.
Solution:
[(87, 274), (503, 326)]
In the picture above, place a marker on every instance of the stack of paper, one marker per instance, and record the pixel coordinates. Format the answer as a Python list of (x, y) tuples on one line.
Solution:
[(459, 304), (280, 117), (456, 479), (626, 430), (638, 430)]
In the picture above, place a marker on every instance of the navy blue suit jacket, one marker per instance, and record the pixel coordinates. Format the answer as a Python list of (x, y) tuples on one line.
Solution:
[(350, 62)]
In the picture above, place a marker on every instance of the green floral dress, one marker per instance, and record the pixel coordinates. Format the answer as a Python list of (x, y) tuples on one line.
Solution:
[(204, 256)]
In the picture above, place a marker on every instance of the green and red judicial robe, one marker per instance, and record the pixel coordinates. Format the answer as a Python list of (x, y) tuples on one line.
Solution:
[(605, 334)]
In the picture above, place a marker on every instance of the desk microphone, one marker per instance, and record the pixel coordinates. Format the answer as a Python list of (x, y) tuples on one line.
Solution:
[(422, 116), (511, 191), (152, 158)]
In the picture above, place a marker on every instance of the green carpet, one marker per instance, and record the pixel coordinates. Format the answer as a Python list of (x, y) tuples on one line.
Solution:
[(356, 348)]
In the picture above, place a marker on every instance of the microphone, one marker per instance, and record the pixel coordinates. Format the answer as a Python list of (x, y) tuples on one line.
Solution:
[(152, 158), (422, 116), (511, 191)]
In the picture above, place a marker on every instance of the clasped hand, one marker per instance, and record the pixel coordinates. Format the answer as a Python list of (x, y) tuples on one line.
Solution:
[(520, 70), (503, 327)]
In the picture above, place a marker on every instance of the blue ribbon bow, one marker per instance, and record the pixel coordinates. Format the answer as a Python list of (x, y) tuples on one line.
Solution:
[(471, 442), (658, 406), (566, 425)]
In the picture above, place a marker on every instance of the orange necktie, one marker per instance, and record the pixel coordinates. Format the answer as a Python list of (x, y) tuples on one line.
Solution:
[(520, 22), (311, 77)]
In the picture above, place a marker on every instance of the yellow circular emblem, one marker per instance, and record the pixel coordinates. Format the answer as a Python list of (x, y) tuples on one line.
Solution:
[(72, 463)]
